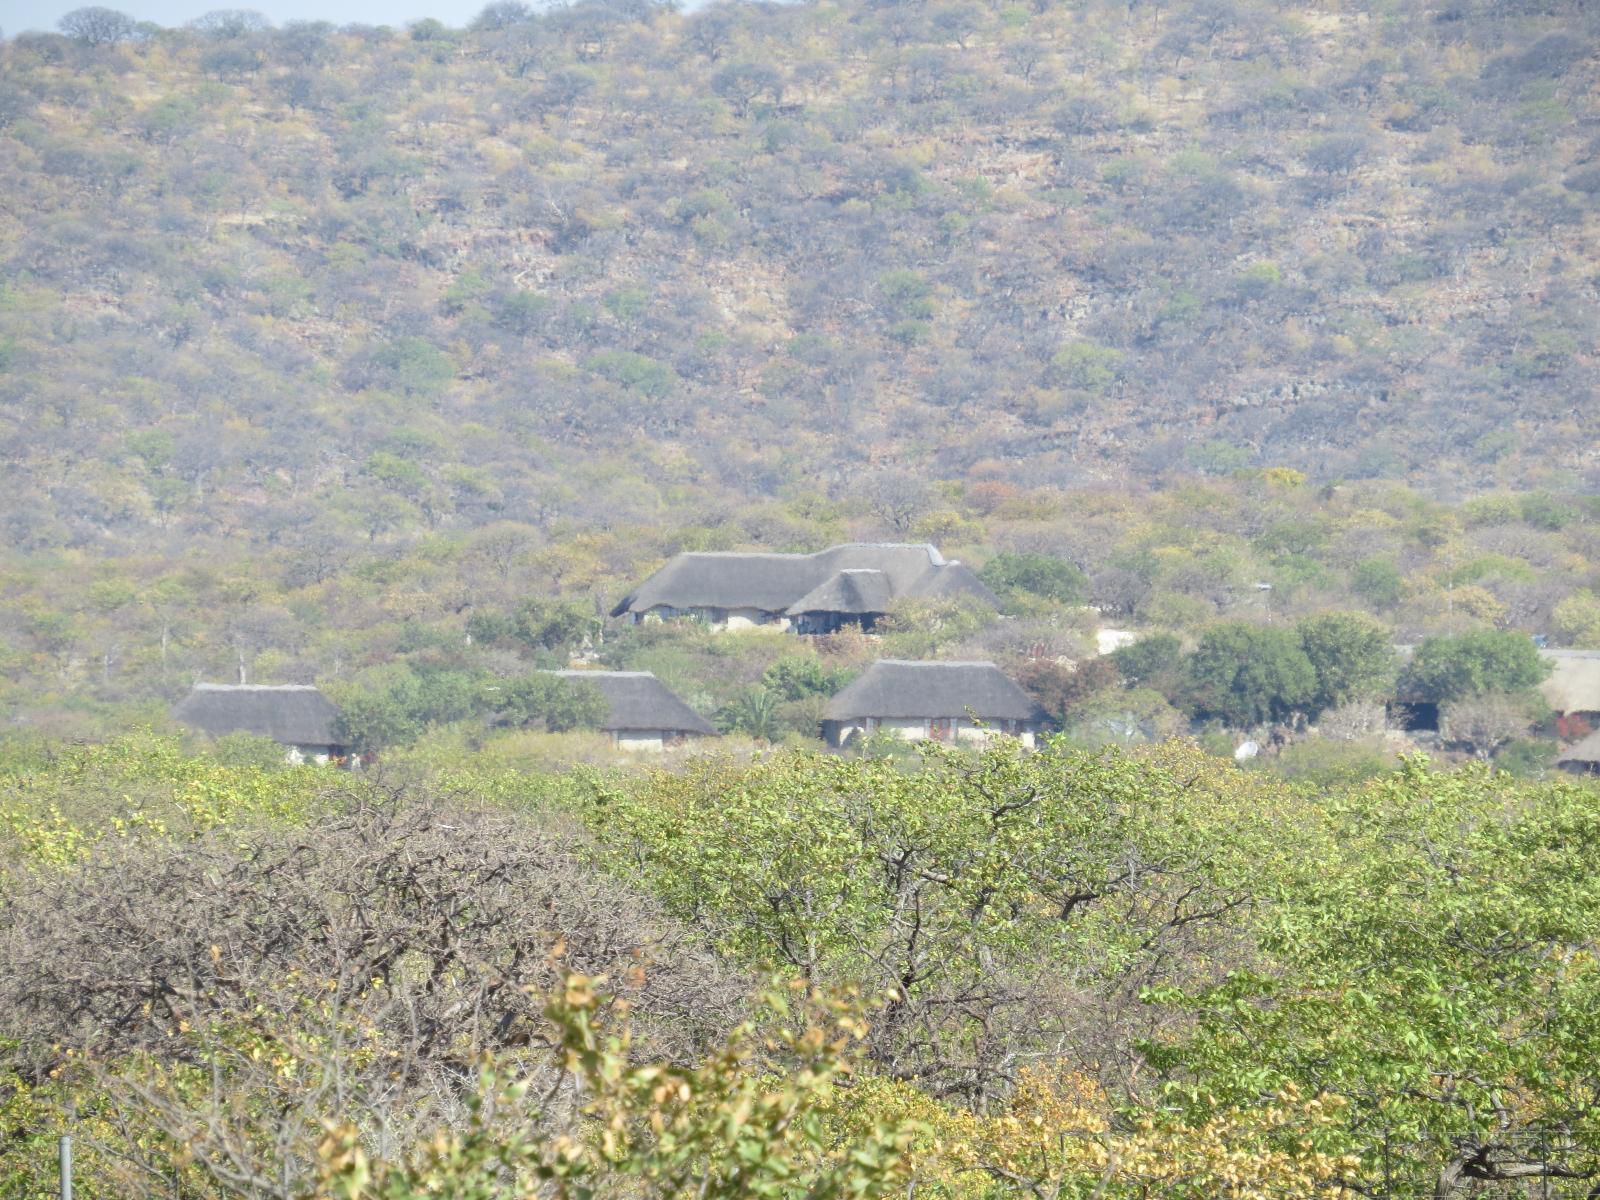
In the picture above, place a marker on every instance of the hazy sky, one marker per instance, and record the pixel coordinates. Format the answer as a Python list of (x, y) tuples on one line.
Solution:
[(17, 16)]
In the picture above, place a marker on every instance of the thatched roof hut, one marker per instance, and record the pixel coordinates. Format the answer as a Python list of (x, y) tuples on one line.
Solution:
[(798, 583), (639, 702), (290, 714), (895, 688), (855, 590), (1582, 757), (1574, 682)]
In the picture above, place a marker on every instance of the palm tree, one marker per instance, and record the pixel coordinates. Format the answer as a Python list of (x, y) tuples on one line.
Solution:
[(754, 712)]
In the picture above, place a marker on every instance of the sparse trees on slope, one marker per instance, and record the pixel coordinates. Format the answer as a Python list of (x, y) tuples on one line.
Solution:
[(97, 26), (224, 24), (740, 84), (500, 14)]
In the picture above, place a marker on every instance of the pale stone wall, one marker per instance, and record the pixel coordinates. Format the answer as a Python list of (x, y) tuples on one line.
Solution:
[(1108, 641), (718, 618), (908, 729), (841, 733), (967, 731), (651, 740), (918, 729), (752, 618)]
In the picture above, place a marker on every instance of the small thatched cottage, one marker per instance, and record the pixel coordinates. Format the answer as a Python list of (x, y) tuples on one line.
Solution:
[(1573, 690), (807, 593), (946, 701), (296, 716), (642, 712)]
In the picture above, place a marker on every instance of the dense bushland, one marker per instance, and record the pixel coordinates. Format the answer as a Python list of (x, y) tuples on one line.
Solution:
[(990, 974)]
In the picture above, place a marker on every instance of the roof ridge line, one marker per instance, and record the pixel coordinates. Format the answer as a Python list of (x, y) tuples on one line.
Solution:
[(938, 662), (255, 687), (589, 671)]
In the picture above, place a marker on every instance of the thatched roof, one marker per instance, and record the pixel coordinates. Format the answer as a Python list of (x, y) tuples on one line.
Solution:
[(637, 700), (775, 582), (1574, 683), (894, 687), (957, 579), (1585, 751), (855, 590), (291, 714)]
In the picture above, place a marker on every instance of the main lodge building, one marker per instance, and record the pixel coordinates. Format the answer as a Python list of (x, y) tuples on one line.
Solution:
[(807, 593)]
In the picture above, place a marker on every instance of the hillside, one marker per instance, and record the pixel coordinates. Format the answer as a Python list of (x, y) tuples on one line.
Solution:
[(288, 308)]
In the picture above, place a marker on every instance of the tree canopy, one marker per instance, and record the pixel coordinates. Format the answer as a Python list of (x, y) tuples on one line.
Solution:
[(1067, 972), (1450, 667), (1247, 674)]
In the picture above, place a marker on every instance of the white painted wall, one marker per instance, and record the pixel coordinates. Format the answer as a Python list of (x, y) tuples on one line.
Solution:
[(919, 729), (842, 734), (909, 729), (754, 618), (649, 740), (729, 618), (967, 731), (1107, 641)]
